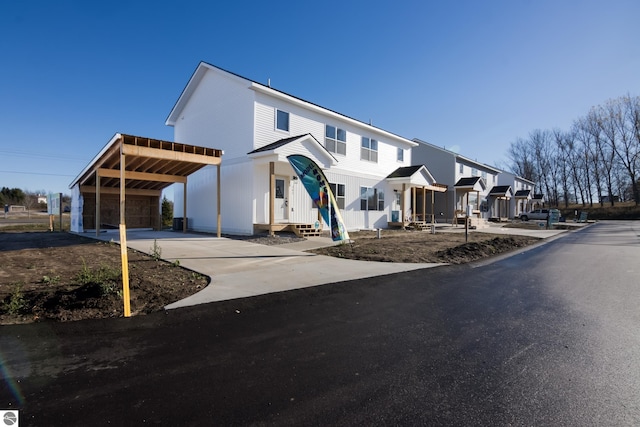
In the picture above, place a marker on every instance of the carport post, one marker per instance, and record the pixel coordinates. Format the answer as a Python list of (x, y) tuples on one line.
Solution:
[(402, 204), (272, 191), (97, 203), (219, 216), (184, 207)]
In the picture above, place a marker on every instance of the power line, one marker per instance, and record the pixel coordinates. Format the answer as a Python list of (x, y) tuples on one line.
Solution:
[(39, 155), (37, 173)]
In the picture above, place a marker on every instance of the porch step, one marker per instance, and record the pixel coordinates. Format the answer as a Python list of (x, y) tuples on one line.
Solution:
[(420, 225), (307, 230)]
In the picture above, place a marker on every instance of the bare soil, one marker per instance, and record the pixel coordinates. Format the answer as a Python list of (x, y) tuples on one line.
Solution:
[(423, 247), (65, 277)]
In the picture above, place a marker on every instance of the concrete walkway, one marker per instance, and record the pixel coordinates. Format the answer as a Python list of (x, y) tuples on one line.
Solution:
[(241, 269)]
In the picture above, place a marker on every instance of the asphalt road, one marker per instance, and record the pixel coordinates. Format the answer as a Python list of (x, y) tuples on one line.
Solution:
[(546, 337)]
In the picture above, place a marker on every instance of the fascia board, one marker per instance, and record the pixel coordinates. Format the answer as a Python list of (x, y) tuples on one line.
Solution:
[(112, 141), (323, 111)]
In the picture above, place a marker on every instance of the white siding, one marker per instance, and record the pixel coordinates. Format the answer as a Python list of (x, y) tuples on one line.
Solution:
[(302, 122), (236, 207), (223, 112), (219, 114), (353, 217)]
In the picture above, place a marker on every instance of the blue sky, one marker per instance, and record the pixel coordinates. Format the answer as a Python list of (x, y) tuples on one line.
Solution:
[(471, 76)]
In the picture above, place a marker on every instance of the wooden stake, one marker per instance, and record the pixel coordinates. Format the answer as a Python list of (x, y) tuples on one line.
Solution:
[(123, 241)]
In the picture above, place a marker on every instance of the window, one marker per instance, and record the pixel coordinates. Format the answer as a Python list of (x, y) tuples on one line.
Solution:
[(369, 150), (474, 172), (460, 168), (282, 120), (338, 193), (484, 176), (371, 199), (400, 157), (335, 140)]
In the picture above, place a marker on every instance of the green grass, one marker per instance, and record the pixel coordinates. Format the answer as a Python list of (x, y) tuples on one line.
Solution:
[(16, 302)]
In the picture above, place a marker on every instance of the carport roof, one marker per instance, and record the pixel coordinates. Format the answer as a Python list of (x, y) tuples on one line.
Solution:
[(474, 183), (150, 164)]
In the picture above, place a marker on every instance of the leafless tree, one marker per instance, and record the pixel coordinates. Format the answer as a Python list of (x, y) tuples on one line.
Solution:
[(542, 152), (563, 163), (573, 155), (589, 159), (604, 118), (519, 153), (628, 149)]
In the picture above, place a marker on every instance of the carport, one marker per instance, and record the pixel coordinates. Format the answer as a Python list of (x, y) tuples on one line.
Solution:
[(124, 182)]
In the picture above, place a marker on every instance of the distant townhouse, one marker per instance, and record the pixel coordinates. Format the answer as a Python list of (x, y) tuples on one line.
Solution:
[(523, 197), (469, 182)]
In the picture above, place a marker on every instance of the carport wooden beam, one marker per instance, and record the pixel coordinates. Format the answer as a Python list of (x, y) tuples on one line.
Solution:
[(128, 191), (156, 153), (143, 176)]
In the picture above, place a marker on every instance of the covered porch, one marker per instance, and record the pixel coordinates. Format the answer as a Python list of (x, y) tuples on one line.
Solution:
[(500, 197), (413, 186), (463, 190), (523, 202), (537, 201), (282, 203)]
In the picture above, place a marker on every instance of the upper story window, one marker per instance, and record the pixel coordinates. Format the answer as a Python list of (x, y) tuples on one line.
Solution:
[(369, 149), (484, 176), (474, 172), (335, 140), (400, 157), (338, 193), (282, 120), (460, 168)]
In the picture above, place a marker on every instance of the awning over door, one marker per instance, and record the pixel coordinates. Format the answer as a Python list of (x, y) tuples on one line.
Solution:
[(415, 176), (501, 191), (474, 183), (523, 194)]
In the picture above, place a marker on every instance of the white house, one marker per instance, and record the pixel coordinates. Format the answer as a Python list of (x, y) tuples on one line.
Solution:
[(469, 182), (257, 127), (523, 196)]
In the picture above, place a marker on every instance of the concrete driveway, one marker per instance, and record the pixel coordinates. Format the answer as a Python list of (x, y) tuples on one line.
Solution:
[(241, 269)]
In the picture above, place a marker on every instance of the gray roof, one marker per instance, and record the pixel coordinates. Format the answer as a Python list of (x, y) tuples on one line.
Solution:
[(277, 144), (499, 190), (405, 172), (467, 182)]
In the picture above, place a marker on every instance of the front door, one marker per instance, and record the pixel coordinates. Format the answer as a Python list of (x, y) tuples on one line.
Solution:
[(281, 199)]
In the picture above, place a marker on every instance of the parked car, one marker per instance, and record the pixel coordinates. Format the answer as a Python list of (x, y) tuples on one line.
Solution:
[(539, 214)]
